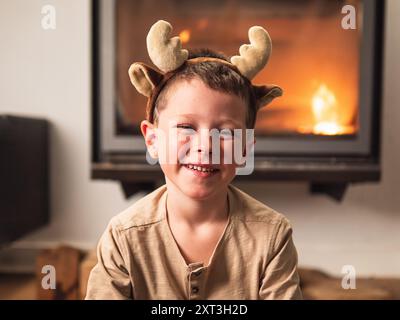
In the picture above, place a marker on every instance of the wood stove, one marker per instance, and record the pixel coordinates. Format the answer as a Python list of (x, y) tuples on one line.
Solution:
[(326, 127)]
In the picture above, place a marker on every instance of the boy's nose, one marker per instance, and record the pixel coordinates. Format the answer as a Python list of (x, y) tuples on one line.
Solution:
[(203, 156), (203, 141), (202, 144), (204, 149)]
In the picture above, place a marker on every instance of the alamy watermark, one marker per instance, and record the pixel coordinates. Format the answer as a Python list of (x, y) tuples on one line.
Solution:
[(349, 21), (237, 146), (349, 278), (49, 280), (48, 21)]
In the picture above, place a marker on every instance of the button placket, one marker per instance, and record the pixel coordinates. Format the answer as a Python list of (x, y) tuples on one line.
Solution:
[(194, 281)]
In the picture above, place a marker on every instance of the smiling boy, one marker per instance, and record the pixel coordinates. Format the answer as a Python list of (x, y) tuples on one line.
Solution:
[(198, 236)]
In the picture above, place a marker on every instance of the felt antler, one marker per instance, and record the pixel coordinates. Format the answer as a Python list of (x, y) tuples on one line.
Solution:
[(254, 56), (165, 52)]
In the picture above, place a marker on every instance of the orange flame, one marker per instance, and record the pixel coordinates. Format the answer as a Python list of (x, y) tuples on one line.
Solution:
[(184, 35), (325, 111)]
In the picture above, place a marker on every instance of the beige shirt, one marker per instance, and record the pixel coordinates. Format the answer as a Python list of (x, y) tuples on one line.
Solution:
[(138, 257)]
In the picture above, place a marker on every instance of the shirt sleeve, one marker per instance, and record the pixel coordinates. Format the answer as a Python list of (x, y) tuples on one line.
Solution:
[(109, 279), (280, 280)]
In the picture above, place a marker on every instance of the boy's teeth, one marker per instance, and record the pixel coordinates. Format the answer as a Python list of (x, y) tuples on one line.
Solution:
[(200, 168)]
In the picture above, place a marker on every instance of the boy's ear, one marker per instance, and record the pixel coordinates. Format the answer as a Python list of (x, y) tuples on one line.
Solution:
[(266, 93), (144, 78), (150, 137)]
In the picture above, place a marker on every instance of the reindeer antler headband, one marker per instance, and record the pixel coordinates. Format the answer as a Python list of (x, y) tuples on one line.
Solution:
[(167, 54)]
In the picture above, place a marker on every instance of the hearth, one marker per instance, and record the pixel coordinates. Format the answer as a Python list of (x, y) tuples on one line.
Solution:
[(326, 127)]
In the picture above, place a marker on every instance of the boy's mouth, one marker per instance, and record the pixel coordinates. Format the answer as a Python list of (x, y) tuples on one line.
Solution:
[(202, 168)]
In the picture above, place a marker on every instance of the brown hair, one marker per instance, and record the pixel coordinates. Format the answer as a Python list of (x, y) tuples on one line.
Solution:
[(215, 75)]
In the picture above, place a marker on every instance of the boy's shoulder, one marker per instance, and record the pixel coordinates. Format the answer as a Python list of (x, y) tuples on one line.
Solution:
[(145, 211), (249, 209)]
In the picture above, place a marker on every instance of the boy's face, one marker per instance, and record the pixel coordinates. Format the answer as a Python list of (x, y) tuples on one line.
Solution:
[(192, 109)]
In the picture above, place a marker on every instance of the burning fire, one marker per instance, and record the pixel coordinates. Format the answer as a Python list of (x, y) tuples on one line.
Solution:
[(325, 111), (184, 35)]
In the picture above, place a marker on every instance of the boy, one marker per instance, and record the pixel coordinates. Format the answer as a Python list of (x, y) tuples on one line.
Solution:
[(197, 236)]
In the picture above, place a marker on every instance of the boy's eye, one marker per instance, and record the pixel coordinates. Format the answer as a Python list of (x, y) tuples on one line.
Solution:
[(186, 129), (226, 133), (184, 126)]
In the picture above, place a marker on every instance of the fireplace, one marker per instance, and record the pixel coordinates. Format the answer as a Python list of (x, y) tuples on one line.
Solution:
[(325, 129)]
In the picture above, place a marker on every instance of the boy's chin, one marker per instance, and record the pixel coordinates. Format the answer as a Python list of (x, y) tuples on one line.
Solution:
[(198, 189), (200, 192)]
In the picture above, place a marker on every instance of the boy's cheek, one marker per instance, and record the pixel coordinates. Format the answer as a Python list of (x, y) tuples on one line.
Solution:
[(229, 171), (168, 152), (232, 157)]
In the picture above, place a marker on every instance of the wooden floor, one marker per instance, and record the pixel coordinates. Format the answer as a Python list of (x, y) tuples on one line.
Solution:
[(315, 285), (17, 287)]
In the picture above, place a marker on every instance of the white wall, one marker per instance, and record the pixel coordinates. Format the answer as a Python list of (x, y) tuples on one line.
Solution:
[(47, 74)]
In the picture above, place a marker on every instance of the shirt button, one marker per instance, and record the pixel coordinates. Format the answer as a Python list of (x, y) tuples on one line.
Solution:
[(197, 273), (195, 289)]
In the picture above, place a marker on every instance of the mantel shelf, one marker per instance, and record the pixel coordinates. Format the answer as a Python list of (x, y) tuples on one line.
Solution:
[(330, 178), (264, 171)]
